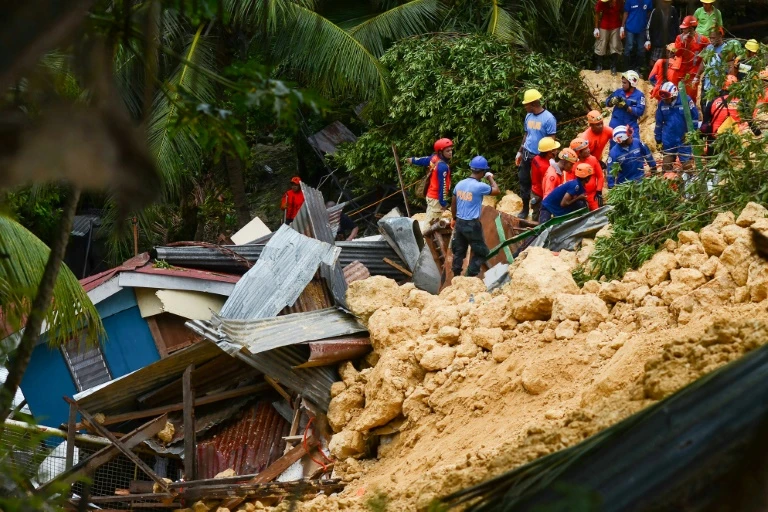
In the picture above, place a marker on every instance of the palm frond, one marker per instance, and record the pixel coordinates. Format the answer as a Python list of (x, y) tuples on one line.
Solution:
[(21, 268), (405, 20), (175, 149), (268, 16), (505, 27), (330, 58)]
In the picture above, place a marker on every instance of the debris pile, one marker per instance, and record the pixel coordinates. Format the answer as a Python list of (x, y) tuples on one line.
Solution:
[(468, 384)]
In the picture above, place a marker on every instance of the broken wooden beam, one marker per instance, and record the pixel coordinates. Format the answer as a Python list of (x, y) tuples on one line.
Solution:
[(71, 432), (277, 387), (241, 492), (398, 267), (190, 467)]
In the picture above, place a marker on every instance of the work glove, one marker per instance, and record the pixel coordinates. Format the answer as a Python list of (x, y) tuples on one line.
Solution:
[(453, 223), (621, 32), (647, 46), (613, 101), (489, 175), (599, 199), (621, 103), (597, 33), (518, 158)]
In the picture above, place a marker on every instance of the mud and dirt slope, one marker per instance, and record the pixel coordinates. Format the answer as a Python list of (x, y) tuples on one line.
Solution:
[(467, 385)]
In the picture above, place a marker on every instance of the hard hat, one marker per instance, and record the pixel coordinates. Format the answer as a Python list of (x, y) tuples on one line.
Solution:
[(530, 96), (296, 180), (729, 81), (620, 134), (707, 1), (548, 144), (632, 77), (441, 144), (479, 163), (689, 21), (752, 45), (595, 117), (578, 144), (584, 170), (668, 90), (568, 155), (763, 74)]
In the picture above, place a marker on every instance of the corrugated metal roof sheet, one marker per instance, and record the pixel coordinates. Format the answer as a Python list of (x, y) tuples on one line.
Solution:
[(372, 254), (315, 296), (82, 224), (328, 139), (356, 271), (404, 236), (325, 352), (287, 264)]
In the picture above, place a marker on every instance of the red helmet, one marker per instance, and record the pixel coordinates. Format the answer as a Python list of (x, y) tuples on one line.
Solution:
[(441, 144), (296, 180), (689, 21)]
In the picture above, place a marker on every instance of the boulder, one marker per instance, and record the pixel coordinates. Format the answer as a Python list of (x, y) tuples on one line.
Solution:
[(448, 335), (438, 358), (347, 443), (634, 277), (637, 295), (713, 241), (535, 281), (501, 351), (658, 267), (587, 309), (736, 259), (493, 313), (366, 296), (511, 203), (486, 337), (535, 380), (723, 219), (337, 388), (605, 232), (348, 373), (566, 329), (462, 288), (652, 318), (750, 214), (732, 232), (615, 291), (709, 267), (757, 281), (689, 277), (688, 237), (345, 406), (392, 326), (591, 287)]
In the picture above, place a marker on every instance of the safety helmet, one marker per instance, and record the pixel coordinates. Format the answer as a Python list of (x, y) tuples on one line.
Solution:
[(296, 180), (568, 155), (595, 117), (620, 134), (668, 90), (584, 170), (707, 1), (530, 96), (763, 74), (729, 81), (578, 144), (479, 163), (689, 21), (441, 144), (547, 144), (632, 77), (752, 45)]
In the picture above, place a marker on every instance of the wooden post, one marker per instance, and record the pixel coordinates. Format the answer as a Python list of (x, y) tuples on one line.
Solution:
[(190, 467), (71, 430), (135, 236), (400, 177)]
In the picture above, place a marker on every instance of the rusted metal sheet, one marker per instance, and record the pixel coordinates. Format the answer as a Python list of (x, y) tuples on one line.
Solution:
[(356, 271), (315, 296), (247, 445), (327, 352), (328, 139)]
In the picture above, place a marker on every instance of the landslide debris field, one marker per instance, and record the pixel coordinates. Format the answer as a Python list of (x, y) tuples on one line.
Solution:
[(469, 384)]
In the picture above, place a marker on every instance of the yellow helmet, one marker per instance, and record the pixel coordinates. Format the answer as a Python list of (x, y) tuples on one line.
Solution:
[(547, 144), (530, 96), (707, 1), (752, 45)]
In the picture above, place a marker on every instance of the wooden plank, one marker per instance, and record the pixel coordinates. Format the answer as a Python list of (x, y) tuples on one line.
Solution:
[(127, 498), (88, 466), (190, 467), (157, 336), (276, 385), (140, 487), (398, 267), (224, 395), (125, 451), (70, 460)]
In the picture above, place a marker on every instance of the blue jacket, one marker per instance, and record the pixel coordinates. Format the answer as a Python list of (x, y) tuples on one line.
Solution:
[(670, 123), (629, 116), (632, 159)]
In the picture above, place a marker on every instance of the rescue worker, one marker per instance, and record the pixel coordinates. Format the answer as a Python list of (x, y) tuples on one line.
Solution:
[(631, 155), (438, 182), (744, 64), (539, 123), (568, 197), (292, 200), (465, 210), (664, 17), (628, 103), (541, 162), (607, 32), (594, 187), (760, 114), (707, 16), (723, 113), (711, 69), (657, 78), (597, 135), (555, 175), (348, 230), (632, 30), (688, 45), (671, 127)]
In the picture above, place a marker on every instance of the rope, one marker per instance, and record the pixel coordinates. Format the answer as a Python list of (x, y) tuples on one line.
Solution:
[(398, 191), (305, 444)]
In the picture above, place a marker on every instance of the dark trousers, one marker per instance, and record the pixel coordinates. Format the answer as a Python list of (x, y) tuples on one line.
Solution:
[(468, 233), (544, 215), (524, 175)]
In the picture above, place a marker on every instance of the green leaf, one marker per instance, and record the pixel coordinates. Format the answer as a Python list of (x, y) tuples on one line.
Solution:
[(409, 19)]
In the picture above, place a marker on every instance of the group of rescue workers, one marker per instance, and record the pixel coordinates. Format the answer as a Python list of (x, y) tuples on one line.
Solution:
[(555, 180)]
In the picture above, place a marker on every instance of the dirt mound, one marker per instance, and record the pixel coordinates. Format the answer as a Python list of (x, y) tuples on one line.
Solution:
[(470, 384)]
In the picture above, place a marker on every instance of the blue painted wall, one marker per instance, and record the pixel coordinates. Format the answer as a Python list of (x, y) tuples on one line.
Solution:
[(129, 344), (46, 380)]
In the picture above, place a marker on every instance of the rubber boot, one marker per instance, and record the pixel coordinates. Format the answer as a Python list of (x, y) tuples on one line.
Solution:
[(598, 63), (614, 58), (524, 214)]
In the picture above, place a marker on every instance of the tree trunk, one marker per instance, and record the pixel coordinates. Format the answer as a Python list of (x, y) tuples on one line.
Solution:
[(40, 306), (234, 167)]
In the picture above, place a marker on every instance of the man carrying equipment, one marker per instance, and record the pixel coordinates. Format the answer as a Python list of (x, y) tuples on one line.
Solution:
[(439, 180)]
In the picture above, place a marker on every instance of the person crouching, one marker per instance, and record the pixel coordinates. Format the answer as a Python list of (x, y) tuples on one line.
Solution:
[(568, 197)]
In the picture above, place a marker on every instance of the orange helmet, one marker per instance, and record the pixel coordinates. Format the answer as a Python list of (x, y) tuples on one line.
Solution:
[(568, 155), (296, 180), (578, 144), (689, 21), (441, 144), (595, 117), (729, 81), (584, 171)]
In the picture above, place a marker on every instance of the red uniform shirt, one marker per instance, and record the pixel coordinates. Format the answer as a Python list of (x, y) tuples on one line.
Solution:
[(594, 185), (658, 71), (612, 13), (552, 180), (539, 167), (597, 142), (688, 50), (291, 203)]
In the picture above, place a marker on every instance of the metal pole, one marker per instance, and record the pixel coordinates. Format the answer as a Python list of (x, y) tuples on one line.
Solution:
[(400, 177)]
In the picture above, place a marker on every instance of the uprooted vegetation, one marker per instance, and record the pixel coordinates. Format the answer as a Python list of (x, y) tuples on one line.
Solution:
[(469, 384)]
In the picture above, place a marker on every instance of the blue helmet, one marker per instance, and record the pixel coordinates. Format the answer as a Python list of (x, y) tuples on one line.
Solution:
[(479, 163)]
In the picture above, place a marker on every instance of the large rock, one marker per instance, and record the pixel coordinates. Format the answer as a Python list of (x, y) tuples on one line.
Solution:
[(366, 296), (393, 326), (658, 267), (736, 259), (689, 277), (732, 232), (688, 237), (751, 213), (487, 337), (347, 443), (437, 358), (510, 203), (691, 255), (535, 281), (493, 313), (723, 219), (587, 309), (713, 241), (615, 291), (566, 329), (416, 406), (757, 281), (345, 406), (462, 288), (652, 318)]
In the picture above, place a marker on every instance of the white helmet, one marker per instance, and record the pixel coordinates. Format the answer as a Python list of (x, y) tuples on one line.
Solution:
[(668, 90), (632, 77)]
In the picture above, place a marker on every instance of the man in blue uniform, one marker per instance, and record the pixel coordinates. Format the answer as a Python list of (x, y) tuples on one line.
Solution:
[(631, 155), (635, 20), (671, 127), (568, 197), (539, 123), (628, 103), (465, 208)]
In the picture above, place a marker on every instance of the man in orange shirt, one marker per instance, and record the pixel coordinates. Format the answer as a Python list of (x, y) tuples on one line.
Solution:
[(555, 175), (597, 135), (688, 46), (593, 188), (292, 200), (539, 165)]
